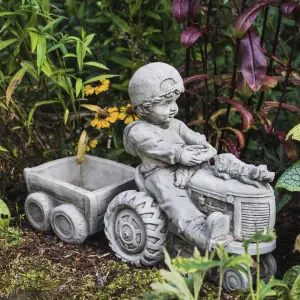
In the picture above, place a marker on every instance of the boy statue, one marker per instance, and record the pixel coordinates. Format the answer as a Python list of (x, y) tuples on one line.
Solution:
[(170, 152)]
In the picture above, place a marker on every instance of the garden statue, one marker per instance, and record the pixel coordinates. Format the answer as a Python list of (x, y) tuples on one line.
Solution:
[(181, 188)]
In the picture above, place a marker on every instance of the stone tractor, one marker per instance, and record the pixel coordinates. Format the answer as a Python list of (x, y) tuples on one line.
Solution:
[(78, 200)]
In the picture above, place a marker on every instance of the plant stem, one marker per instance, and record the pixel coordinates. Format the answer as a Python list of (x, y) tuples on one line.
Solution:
[(233, 83), (274, 47), (258, 270), (220, 283), (186, 74), (288, 71)]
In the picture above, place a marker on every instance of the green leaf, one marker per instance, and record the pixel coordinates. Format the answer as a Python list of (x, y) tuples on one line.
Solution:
[(291, 275), (3, 149), (6, 43), (46, 68), (53, 23), (198, 279), (294, 133), (153, 15), (34, 40), (41, 52), (104, 76), (37, 104), (78, 86), (295, 292), (79, 55), (290, 179), (122, 61), (95, 64), (120, 23), (8, 13), (4, 215), (88, 39), (282, 198), (192, 265), (69, 55)]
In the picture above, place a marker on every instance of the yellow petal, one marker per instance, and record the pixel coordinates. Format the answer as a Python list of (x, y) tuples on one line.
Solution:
[(105, 124), (112, 118), (128, 120), (88, 149), (94, 122), (93, 143), (122, 116), (112, 109), (89, 90), (136, 117)]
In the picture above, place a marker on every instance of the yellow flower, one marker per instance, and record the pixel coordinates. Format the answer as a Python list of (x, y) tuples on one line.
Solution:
[(104, 86), (127, 114), (89, 90), (92, 144), (105, 118)]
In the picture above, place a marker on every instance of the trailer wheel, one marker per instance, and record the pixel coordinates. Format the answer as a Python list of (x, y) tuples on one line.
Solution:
[(37, 210), (136, 228), (235, 280), (69, 224), (268, 267)]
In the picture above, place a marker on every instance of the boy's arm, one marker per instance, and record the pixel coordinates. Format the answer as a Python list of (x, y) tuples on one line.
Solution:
[(189, 136), (153, 145)]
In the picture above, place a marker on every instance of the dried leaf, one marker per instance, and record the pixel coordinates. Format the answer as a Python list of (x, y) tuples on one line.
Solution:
[(242, 87), (93, 107), (82, 146), (246, 115), (190, 35), (246, 19), (14, 83), (291, 149), (180, 10), (253, 60), (195, 123)]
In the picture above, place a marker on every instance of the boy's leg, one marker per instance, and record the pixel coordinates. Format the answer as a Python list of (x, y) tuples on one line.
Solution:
[(178, 206)]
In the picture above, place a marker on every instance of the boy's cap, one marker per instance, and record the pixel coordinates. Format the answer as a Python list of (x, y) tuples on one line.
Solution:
[(153, 80)]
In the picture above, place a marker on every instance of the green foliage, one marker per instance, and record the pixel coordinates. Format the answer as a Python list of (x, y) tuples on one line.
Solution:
[(294, 133), (290, 179), (291, 275), (4, 215)]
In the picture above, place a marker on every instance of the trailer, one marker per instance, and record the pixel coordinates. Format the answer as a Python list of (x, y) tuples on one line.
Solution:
[(72, 198)]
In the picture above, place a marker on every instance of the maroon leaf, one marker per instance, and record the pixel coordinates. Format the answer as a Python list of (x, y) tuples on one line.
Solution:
[(196, 77), (196, 123), (281, 135), (291, 149), (180, 10), (269, 105), (238, 134), (242, 87), (192, 93), (246, 115), (193, 9), (264, 121), (190, 35), (245, 20), (295, 78), (232, 147), (254, 63), (268, 83), (289, 8)]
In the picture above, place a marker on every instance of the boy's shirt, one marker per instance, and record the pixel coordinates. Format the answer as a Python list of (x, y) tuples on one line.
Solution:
[(156, 146)]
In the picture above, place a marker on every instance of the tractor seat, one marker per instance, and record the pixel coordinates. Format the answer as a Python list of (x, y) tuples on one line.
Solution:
[(139, 179)]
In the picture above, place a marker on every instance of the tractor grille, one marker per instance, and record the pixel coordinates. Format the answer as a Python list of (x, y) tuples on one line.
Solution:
[(255, 217)]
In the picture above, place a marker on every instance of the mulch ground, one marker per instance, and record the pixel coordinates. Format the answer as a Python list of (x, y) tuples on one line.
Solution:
[(47, 268)]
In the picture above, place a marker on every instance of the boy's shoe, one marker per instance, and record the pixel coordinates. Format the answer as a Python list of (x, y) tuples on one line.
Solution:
[(217, 228)]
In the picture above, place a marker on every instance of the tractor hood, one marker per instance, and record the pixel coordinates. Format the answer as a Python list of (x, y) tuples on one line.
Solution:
[(205, 182)]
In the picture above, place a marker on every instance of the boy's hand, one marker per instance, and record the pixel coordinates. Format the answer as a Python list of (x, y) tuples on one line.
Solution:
[(196, 154), (190, 157)]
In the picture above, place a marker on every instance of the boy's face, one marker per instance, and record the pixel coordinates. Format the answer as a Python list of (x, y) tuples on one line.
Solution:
[(164, 111)]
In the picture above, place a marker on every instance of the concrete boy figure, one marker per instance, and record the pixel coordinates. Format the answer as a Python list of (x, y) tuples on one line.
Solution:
[(170, 152)]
